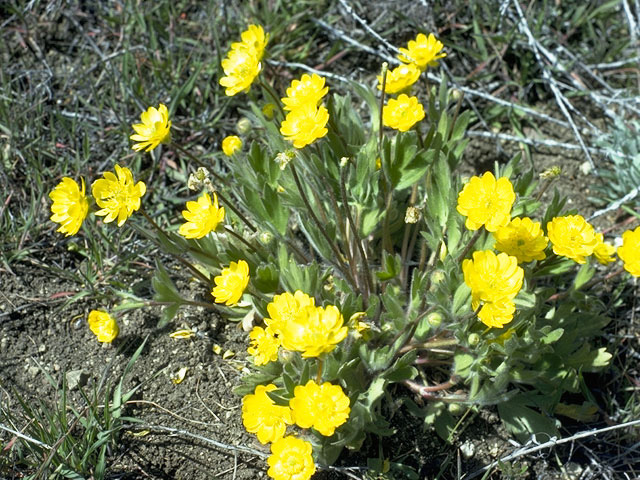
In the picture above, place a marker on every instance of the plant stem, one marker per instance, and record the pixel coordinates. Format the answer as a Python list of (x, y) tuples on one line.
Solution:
[(385, 69), (273, 95), (319, 372), (184, 262), (473, 240), (335, 250)]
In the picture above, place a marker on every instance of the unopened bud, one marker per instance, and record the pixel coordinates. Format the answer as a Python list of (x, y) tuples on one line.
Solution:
[(443, 251), (412, 215), (268, 111), (437, 277), (456, 94), (474, 339), (456, 409), (243, 126), (434, 319), (266, 237)]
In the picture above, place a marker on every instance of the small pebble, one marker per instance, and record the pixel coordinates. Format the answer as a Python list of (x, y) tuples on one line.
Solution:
[(467, 449), (42, 348)]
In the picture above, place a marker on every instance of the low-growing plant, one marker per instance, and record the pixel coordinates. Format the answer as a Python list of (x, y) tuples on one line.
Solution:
[(366, 272)]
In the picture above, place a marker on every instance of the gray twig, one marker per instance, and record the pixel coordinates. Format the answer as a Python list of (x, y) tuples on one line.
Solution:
[(366, 26)]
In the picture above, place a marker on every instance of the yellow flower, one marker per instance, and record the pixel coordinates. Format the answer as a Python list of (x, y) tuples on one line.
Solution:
[(260, 415), (154, 129), (231, 145), (402, 113), (604, 252), (103, 325), (308, 90), (497, 314), (202, 217), (423, 51), (400, 78), (523, 239), (572, 237), (285, 307), (494, 280), (264, 346), (241, 67), (323, 407), (70, 206), (629, 251), (231, 282), (253, 40), (305, 124), (314, 331), (291, 459), (486, 201), (117, 195)]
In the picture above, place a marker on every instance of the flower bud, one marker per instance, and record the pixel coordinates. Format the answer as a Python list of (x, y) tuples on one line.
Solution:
[(474, 339), (456, 409), (243, 126), (412, 215), (443, 251), (266, 238), (434, 319), (268, 110), (456, 94), (437, 277)]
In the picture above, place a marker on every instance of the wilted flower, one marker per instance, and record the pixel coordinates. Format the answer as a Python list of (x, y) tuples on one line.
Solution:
[(264, 346), (231, 282), (402, 113), (309, 90), (291, 459), (494, 280), (323, 407), (231, 145), (305, 124), (285, 307), (117, 195), (103, 325), (313, 331), (154, 129), (486, 201), (400, 78), (572, 237), (254, 40), (202, 217), (70, 206), (423, 51), (604, 252), (260, 415), (629, 251), (523, 239), (241, 67)]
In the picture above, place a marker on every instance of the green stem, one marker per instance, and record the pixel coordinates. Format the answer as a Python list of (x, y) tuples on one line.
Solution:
[(385, 68), (273, 95), (335, 250), (473, 240), (184, 262), (319, 372)]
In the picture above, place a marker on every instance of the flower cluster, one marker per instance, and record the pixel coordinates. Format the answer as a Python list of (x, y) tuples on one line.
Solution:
[(243, 62), (522, 238), (629, 251), (103, 325), (495, 280), (231, 283), (70, 206), (154, 129), (572, 237), (202, 216), (306, 119), (486, 202), (402, 113), (117, 195), (423, 51)]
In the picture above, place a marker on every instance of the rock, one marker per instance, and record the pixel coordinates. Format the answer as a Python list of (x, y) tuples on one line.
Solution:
[(76, 378), (33, 371), (42, 348), (467, 449)]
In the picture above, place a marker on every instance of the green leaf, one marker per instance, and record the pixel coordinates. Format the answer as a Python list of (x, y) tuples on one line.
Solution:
[(585, 274), (523, 422), (553, 336)]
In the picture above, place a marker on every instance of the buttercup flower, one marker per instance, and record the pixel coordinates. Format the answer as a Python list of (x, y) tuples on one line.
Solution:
[(494, 281), (231, 282), (309, 89), (285, 307), (202, 217), (486, 201), (103, 326), (523, 239), (291, 459), (402, 113), (70, 206), (604, 252), (304, 125), (572, 237), (117, 195), (260, 415), (400, 78), (154, 129), (323, 407), (241, 67), (253, 40), (231, 145), (497, 314), (264, 346), (629, 251), (423, 51), (314, 331)]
